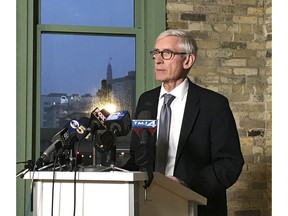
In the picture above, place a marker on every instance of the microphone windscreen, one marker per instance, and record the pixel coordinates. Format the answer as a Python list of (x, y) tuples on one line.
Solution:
[(105, 140), (141, 151)]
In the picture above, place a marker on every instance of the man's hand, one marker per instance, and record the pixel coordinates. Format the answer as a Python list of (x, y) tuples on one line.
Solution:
[(177, 180)]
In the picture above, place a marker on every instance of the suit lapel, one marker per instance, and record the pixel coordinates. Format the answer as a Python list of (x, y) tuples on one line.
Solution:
[(155, 100), (190, 114)]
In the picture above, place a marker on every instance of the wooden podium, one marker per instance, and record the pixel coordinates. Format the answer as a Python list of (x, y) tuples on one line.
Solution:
[(110, 194)]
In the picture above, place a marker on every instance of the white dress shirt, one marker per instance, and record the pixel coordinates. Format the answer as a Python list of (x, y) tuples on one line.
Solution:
[(177, 108)]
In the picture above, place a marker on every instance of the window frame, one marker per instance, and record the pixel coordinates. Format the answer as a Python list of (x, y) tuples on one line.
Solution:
[(150, 20)]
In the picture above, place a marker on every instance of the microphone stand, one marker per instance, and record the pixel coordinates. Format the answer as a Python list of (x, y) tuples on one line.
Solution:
[(27, 167), (110, 159)]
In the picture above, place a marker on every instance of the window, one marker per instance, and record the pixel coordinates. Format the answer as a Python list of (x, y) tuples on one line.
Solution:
[(78, 66)]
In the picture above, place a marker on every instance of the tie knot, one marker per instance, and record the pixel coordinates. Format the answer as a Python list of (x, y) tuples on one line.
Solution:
[(168, 98)]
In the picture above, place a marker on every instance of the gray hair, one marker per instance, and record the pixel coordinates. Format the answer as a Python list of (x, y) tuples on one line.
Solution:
[(187, 43)]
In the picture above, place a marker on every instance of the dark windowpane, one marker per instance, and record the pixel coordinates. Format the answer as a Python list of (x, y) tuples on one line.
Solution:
[(88, 12), (79, 73)]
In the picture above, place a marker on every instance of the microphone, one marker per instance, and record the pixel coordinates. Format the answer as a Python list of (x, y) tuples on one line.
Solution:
[(64, 139), (105, 143), (58, 141), (88, 126), (105, 140), (97, 120), (119, 123), (78, 131), (144, 127)]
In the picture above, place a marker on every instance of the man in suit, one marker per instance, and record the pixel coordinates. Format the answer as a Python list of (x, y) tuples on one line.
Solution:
[(204, 149)]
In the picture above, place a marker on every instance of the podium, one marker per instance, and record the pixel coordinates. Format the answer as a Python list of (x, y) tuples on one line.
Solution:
[(110, 193)]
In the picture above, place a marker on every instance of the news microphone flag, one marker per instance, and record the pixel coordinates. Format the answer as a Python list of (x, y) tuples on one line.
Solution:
[(119, 123), (98, 117), (139, 124)]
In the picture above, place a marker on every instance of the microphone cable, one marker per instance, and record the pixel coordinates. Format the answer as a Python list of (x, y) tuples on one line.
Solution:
[(53, 182), (75, 173), (31, 189)]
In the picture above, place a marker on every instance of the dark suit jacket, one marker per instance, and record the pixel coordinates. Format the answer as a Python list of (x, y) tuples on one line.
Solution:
[(209, 158)]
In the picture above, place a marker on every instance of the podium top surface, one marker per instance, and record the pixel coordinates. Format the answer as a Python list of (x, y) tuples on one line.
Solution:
[(88, 176), (179, 189)]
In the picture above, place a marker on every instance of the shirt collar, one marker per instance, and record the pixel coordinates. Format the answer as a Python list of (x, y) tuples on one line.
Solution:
[(178, 92)]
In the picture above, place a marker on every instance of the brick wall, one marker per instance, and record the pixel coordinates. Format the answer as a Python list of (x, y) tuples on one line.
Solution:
[(234, 38)]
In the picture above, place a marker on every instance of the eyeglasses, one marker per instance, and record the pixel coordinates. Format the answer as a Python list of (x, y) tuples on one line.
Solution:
[(166, 54)]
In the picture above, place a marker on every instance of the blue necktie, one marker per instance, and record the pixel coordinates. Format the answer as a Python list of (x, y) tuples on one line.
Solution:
[(163, 134)]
